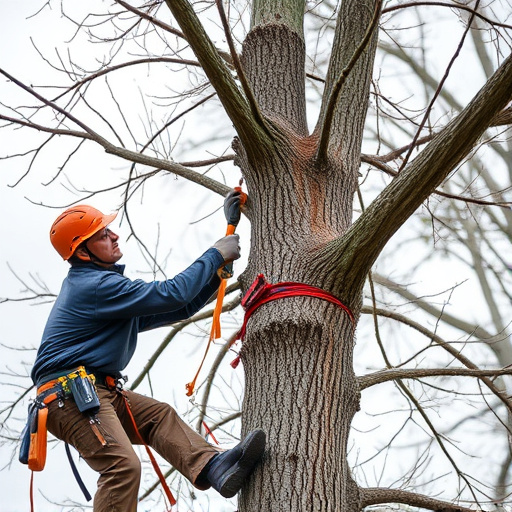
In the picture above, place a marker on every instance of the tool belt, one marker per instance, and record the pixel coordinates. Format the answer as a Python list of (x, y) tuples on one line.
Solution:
[(77, 384)]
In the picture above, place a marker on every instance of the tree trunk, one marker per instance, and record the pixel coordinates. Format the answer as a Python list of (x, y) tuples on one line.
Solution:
[(297, 353), (298, 363)]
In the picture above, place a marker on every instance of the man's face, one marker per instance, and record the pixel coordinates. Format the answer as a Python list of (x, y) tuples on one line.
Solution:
[(103, 245)]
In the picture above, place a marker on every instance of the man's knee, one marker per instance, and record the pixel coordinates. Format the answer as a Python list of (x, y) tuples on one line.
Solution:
[(129, 468), (118, 469)]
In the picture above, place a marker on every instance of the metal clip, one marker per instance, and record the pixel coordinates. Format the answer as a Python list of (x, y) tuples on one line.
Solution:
[(120, 382)]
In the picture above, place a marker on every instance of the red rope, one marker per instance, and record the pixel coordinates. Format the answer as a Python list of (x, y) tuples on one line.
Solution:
[(209, 432), (156, 467), (261, 292)]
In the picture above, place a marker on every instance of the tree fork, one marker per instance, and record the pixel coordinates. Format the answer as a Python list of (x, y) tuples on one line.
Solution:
[(356, 251)]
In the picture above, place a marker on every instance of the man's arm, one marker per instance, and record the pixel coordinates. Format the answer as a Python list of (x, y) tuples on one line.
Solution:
[(151, 322), (118, 297)]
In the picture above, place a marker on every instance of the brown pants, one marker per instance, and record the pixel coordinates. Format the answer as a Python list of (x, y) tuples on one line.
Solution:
[(117, 463)]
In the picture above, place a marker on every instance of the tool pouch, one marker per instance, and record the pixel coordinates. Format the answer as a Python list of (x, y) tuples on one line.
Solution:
[(38, 437), (25, 435), (84, 394)]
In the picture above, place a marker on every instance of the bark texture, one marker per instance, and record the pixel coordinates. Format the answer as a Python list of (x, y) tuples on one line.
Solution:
[(297, 354)]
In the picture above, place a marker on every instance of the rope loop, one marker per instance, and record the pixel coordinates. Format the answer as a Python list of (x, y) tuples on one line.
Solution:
[(260, 292)]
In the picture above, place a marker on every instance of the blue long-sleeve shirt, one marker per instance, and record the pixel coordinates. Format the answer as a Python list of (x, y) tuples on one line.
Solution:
[(99, 313)]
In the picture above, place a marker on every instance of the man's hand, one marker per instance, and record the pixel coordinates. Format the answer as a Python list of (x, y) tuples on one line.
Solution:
[(229, 247), (232, 207)]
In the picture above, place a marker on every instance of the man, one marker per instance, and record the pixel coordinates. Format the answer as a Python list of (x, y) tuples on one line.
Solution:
[(94, 323)]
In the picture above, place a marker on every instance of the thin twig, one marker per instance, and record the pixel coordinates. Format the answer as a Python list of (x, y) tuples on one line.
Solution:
[(455, 5), (440, 87)]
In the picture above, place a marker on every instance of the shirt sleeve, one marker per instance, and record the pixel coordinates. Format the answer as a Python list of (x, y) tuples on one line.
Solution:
[(117, 297), (153, 321)]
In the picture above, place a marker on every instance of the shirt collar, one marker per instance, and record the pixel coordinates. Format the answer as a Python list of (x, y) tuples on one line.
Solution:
[(89, 264)]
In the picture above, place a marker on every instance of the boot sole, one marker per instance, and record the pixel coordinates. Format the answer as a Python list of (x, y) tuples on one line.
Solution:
[(252, 454)]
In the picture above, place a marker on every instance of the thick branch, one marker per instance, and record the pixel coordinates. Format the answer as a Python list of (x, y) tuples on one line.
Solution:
[(377, 495), (336, 90), (132, 156), (166, 165), (238, 66), (353, 50), (378, 163), (252, 134), (379, 377), (358, 249)]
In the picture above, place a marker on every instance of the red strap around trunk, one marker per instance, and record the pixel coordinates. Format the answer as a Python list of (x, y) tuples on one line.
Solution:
[(261, 292)]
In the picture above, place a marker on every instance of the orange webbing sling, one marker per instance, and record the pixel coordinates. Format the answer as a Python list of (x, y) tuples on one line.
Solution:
[(215, 330)]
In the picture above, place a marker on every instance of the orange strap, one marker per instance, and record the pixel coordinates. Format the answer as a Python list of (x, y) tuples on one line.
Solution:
[(156, 467), (37, 450), (215, 332)]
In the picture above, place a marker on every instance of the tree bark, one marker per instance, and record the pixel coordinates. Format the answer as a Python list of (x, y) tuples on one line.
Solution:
[(297, 353)]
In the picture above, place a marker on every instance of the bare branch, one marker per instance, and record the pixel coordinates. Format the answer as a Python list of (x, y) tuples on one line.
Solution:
[(211, 375), (356, 251), (439, 88), (325, 130), (238, 66), (446, 346), (373, 379), (450, 5), (110, 69), (377, 495), (251, 132), (152, 19), (112, 149), (458, 323), (172, 334)]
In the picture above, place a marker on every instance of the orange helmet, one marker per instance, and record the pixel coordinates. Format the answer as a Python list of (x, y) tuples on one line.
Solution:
[(75, 225)]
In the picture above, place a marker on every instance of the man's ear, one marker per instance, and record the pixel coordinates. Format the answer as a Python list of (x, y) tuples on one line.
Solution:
[(82, 254)]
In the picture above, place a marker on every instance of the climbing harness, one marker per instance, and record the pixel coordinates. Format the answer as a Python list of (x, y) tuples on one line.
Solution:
[(260, 292), (225, 273), (81, 386)]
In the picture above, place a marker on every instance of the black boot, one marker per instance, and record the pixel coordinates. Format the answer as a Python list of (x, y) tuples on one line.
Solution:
[(227, 471)]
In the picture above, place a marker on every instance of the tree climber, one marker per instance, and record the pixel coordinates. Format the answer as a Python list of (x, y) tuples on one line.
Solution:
[(94, 324)]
